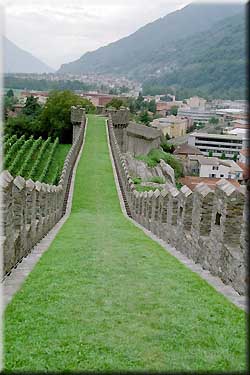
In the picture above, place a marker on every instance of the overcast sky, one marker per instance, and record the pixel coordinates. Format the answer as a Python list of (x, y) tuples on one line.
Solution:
[(59, 31)]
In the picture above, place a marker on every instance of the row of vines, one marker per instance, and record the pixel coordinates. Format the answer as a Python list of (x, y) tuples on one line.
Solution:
[(31, 158)]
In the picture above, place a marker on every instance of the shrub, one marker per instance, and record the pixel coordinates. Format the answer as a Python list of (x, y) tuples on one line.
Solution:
[(158, 180), (136, 180), (154, 157)]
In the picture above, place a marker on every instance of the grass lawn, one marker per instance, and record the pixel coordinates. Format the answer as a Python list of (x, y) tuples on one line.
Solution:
[(105, 297)]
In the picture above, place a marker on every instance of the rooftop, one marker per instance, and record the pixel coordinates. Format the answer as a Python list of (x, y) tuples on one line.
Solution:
[(206, 160), (193, 181), (217, 136), (186, 149), (245, 151), (143, 131)]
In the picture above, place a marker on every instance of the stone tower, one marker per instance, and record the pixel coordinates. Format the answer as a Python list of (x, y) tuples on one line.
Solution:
[(77, 116)]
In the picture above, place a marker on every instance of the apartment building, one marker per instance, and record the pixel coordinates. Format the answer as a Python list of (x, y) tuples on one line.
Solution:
[(218, 144), (174, 126)]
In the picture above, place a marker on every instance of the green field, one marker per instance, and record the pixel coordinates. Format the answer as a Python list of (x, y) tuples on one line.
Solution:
[(38, 159), (105, 297)]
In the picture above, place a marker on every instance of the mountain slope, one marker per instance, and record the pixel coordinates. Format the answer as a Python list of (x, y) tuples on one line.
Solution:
[(133, 55), (16, 60), (212, 62)]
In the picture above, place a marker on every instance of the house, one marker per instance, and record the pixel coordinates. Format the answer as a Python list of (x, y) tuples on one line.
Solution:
[(140, 139), (174, 126), (244, 163), (213, 167)]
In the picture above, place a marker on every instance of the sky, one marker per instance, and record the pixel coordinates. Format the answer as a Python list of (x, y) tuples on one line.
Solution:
[(60, 31)]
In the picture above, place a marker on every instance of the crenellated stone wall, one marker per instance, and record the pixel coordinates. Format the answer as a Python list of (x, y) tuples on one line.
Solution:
[(30, 209), (207, 226)]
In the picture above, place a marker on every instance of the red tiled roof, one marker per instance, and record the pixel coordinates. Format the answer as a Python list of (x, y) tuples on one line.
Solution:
[(186, 149), (245, 151), (246, 169), (193, 181)]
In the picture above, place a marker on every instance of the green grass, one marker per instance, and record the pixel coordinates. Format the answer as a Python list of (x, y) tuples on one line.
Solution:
[(141, 188), (154, 157), (157, 180), (105, 297)]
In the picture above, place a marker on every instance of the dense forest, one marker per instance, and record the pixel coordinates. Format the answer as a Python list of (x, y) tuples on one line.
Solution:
[(212, 64), (13, 82)]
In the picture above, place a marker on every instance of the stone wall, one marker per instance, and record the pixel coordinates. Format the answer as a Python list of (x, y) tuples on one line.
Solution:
[(207, 226), (30, 209)]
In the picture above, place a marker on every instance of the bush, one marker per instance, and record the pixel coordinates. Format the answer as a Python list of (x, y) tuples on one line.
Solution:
[(136, 180), (154, 157), (167, 147), (158, 180)]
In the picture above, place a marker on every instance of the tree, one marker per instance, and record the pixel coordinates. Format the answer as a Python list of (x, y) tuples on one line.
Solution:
[(113, 91), (213, 120), (32, 107), (235, 157), (139, 103), (10, 93), (131, 105), (167, 147), (55, 116), (145, 118), (223, 155), (152, 106), (24, 125), (210, 153), (174, 110), (116, 103)]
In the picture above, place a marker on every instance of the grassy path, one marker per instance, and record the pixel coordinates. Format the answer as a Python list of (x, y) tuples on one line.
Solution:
[(106, 297)]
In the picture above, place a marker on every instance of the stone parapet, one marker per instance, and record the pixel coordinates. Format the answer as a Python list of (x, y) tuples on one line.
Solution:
[(30, 209), (207, 226)]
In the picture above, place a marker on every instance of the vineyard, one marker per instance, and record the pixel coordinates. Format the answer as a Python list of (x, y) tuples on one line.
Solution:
[(36, 159)]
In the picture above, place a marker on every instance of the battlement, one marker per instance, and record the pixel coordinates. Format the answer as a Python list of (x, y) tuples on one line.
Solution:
[(207, 226), (31, 208)]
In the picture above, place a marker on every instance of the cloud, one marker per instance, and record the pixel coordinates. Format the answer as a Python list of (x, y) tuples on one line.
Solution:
[(59, 31)]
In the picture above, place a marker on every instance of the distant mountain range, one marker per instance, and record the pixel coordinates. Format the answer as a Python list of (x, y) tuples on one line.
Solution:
[(200, 47), (16, 60)]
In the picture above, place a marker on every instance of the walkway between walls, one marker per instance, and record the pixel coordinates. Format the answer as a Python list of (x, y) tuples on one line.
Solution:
[(105, 297)]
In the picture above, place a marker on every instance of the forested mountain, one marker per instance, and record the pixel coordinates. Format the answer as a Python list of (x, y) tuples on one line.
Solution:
[(134, 55), (16, 60), (212, 63)]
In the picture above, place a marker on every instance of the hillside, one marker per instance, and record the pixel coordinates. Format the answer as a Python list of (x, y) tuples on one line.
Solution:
[(212, 63), (16, 60), (134, 55)]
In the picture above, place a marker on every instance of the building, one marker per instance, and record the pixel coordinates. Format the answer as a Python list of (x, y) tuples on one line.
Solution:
[(197, 109), (196, 102), (197, 115), (227, 115), (140, 139), (174, 126), (217, 144), (213, 167), (244, 163), (163, 108), (183, 150), (241, 123)]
